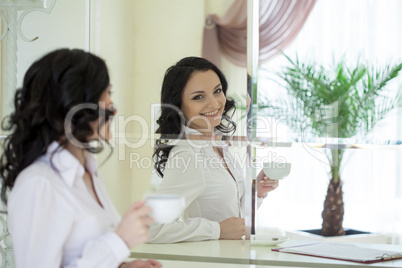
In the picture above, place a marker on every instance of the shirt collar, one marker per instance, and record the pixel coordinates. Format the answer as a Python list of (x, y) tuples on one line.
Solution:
[(216, 143), (67, 165), (190, 131)]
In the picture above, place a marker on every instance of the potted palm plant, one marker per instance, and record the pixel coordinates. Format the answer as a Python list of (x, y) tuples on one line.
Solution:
[(339, 102)]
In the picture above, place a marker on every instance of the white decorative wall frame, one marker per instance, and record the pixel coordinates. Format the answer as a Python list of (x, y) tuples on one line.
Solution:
[(12, 13), (13, 21), (6, 247)]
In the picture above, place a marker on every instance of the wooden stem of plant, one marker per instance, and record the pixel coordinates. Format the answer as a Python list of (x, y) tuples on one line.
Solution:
[(332, 214)]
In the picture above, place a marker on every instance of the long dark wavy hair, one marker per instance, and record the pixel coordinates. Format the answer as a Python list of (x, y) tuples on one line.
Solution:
[(52, 86), (170, 122)]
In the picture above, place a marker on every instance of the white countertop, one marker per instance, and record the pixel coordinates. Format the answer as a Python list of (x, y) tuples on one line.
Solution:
[(239, 252), (187, 264), (223, 251), (265, 256)]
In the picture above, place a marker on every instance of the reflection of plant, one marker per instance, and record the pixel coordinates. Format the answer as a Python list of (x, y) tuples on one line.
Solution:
[(341, 103)]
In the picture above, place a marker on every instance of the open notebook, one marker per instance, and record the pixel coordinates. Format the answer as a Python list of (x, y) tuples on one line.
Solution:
[(346, 252)]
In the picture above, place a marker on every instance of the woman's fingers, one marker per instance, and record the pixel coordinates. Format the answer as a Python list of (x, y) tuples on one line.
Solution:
[(147, 220), (268, 181), (139, 263), (155, 263), (137, 205), (134, 226), (267, 185), (142, 211)]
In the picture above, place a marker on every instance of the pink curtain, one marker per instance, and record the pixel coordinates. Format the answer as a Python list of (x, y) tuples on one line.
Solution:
[(280, 22)]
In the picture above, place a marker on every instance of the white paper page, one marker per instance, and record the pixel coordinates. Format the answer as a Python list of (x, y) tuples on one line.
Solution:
[(341, 251)]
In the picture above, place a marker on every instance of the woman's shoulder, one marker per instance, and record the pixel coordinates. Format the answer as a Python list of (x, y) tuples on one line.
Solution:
[(40, 185), (187, 149), (184, 160), (36, 177), (38, 170)]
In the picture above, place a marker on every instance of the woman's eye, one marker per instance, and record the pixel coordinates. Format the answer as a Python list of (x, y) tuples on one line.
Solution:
[(198, 97), (219, 90)]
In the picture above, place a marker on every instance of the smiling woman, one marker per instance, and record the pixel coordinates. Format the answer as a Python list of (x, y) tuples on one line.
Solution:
[(140, 40), (189, 90), (203, 101), (212, 183)]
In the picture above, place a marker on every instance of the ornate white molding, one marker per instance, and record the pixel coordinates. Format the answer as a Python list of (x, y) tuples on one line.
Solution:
[(11, 18), (6, 253), (12, 14), (28, 6)]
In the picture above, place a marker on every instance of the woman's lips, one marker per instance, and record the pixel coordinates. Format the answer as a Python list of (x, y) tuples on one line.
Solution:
[(211, 114)]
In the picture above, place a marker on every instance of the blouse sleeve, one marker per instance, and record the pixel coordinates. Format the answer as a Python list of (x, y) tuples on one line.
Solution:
[(40, 223), (184, 175)]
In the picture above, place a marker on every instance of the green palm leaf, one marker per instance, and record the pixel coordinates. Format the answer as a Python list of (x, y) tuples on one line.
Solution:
[(354, 99)]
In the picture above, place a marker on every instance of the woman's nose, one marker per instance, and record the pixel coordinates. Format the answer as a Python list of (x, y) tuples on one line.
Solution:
[(213, 102)]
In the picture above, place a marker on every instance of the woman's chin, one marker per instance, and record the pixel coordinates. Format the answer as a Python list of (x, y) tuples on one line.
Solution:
[(216, 121)]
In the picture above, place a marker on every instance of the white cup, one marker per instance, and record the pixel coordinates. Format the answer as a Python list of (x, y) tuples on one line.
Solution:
[(276, 170), (166, 208)]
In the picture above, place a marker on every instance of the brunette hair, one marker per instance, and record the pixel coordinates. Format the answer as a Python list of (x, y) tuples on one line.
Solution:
[(52, 87), (171, 121)]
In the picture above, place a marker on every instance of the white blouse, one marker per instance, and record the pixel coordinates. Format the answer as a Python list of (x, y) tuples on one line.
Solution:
[(55, 222), (211, 193)]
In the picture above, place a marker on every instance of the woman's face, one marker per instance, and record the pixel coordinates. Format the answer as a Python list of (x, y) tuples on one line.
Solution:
[(105, 103), (203, 101)]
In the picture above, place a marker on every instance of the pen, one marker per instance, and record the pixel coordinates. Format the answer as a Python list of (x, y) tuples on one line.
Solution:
[(390, 257)]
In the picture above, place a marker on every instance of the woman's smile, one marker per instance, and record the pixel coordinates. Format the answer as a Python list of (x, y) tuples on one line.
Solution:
[(211, 114)]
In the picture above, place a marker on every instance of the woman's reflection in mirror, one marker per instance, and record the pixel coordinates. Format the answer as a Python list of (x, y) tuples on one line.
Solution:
[(209, 178)]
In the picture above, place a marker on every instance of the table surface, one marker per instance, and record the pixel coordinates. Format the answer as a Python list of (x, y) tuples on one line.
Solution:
[(240, 252), (187, 264), (220, 251)]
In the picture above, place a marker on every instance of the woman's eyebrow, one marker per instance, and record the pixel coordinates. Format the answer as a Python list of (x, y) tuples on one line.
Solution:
[(201, 91), (197, 92)]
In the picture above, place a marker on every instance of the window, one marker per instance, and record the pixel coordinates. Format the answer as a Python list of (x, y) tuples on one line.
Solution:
[(357, 30)]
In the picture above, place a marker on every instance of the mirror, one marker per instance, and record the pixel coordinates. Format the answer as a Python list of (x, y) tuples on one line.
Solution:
[(139, 40), (162, 33), (139, 44)]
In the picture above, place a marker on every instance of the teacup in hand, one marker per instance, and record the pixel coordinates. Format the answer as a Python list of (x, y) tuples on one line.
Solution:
[(276, 170), (166, 208)]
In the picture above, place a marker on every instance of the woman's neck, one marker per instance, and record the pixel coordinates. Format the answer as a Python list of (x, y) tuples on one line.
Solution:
[(197, 134), (77, 152)]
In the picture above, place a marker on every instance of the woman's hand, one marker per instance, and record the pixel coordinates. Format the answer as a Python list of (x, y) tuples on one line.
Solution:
[(265, 184), (133, 228), (142, 264), (232, 228)]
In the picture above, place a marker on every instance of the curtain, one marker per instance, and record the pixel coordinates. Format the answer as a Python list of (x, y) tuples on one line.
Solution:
[(280, 22)]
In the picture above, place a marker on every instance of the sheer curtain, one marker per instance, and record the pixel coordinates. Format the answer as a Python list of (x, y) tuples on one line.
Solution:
[(280, 22), (358, 30)]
